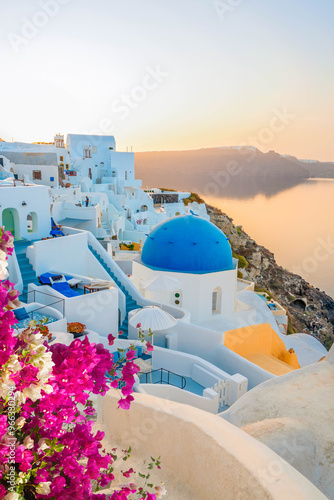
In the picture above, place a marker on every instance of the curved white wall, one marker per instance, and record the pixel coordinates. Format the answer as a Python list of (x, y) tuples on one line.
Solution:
[(204, 456)]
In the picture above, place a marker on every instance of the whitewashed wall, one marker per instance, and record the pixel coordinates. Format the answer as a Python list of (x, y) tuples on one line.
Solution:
[(196, 290), (98, 311), (47, 172), (204, 456), (36, 199)]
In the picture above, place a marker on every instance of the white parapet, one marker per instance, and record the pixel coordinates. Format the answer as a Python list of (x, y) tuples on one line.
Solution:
[(203, 456)]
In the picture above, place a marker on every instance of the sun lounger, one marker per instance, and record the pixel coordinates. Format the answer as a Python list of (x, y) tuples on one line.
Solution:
[(45, 278), (65, 289)]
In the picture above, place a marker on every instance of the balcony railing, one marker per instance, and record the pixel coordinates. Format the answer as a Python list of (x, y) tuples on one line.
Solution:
[(163, 376)]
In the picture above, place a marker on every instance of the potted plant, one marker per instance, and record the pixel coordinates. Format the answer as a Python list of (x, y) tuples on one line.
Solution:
[(76, 328)]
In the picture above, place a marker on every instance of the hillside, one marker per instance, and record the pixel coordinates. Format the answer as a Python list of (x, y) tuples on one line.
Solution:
[(236, 172)]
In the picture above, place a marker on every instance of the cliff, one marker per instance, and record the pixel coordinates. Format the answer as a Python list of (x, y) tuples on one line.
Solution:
[(310, 310)]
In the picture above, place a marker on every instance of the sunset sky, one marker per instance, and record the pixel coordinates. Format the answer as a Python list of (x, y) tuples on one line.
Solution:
[(171, 74)]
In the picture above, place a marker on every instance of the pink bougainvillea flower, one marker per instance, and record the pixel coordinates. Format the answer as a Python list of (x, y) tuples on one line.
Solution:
[(50, 382), (120, 332), (111, 339), (131, 354), (125, 402), (138, 325), (114, 384), (151, 496), (149, 346), (127, 473), (127, 390), (120, 495)]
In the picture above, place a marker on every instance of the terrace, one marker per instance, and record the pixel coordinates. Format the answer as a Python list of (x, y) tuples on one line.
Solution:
[(181, 377)]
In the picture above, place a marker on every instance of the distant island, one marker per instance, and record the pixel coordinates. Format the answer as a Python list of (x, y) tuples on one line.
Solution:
[(240, 172)]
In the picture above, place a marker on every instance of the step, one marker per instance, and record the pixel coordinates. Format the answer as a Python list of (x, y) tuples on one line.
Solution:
[(28, 273), (131, 304), (33, 279), (33, 282), (25, 267), (21, 258)]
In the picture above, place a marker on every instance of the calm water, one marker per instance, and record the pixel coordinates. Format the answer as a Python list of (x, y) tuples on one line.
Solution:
[(297, 225)]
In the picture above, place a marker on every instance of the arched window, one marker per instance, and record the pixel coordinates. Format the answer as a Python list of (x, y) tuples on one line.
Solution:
[(216, 300), (32, 222), (144, 208)]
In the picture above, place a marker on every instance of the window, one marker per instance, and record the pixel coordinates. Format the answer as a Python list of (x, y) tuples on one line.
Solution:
[(216, 300), (178, 298), (61, 158), (32, 222), (52, 179), (87, 152), (37, 175), (126, 175), (67, 165)]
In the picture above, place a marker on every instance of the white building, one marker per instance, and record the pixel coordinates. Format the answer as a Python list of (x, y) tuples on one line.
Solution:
[(198, 255), (25, 210), (224, 322), (93, 185)]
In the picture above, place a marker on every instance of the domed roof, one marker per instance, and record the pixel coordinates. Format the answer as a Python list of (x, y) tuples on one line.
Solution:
[(187, 244)]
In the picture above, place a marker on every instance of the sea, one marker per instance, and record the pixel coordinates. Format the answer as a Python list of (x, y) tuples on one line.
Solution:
[(296, 224)]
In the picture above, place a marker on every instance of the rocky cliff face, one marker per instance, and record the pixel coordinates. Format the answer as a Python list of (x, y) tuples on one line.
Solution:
[(310, 310)]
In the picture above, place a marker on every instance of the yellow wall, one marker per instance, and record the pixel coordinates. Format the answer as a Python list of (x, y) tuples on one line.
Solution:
[(261, 345), (136, 247)]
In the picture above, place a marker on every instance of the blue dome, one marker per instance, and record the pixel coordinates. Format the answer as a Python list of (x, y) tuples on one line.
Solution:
[(187, 244)]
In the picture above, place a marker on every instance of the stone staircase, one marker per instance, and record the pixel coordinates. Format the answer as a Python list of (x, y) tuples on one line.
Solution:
[(131, 304), (27, 272), (106, 226)]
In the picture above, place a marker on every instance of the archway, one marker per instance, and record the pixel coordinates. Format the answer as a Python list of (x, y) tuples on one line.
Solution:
[(32, 222), (11, 221), (144, 208), (300, 303)]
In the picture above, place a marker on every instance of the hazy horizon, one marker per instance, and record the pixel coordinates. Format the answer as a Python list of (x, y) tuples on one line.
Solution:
[(171, 76)]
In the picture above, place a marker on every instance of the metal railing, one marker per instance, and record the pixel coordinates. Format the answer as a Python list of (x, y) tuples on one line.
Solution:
[(45, 305), (163, 379)]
